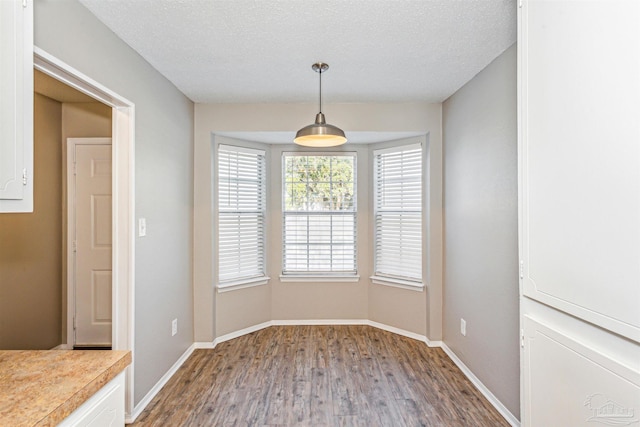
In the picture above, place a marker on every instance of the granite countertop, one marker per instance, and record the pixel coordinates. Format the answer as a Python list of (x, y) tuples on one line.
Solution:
[(42, 387)]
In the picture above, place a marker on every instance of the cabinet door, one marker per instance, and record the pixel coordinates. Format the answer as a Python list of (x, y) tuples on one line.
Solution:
[(16, 106), (580, 159), (569, 383)]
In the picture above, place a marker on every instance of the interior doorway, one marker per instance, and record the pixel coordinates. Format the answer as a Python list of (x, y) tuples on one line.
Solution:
[(122, 149)]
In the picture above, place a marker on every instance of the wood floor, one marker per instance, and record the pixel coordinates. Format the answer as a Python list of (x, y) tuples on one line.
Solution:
[(320, 376)]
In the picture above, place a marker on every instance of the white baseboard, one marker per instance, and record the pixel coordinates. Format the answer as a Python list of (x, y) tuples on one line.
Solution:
[(319, 322), (204, 345), (61, 347), (398, 331), (511, 419), (241, 332), (137, 410)]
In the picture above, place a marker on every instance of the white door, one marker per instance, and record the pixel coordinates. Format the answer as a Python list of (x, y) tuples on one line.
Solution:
[(91, 228)]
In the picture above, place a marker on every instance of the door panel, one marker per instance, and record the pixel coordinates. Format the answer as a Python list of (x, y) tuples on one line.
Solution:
[(569, 384), (93, 245), (580, 177), (101, 296)]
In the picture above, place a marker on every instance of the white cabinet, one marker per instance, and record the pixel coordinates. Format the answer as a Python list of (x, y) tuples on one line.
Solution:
[(103, 409), (16, 106), (579, 162)]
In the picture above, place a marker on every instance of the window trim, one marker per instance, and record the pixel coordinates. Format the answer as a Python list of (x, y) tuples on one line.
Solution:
[(319, 276), (397, 283), (242, 284), (316, 278)]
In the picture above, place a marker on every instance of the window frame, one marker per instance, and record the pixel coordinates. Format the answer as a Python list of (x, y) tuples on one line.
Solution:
[(319, 275), (382, 277), (261, 278)]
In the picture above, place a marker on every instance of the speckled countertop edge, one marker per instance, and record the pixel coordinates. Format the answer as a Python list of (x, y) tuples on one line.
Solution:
[(42, 387)]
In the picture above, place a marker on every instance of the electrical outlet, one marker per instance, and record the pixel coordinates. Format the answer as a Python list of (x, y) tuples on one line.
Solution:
[(463, 327), (174, 327)]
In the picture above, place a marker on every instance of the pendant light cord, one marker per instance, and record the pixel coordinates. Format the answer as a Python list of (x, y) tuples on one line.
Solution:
[(320, 71)]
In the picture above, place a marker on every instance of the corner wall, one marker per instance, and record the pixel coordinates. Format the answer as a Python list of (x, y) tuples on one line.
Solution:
[(481, 235)]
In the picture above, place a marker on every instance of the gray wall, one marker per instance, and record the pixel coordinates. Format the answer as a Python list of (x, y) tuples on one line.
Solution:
[(163, 178), (481, 235)]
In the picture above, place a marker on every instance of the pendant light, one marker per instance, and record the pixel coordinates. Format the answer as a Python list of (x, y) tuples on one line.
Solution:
[(320, 134)]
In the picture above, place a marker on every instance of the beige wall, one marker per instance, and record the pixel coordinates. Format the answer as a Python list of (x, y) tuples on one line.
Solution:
[(33, 252), (216, 314), (31, 246), (85, 120)]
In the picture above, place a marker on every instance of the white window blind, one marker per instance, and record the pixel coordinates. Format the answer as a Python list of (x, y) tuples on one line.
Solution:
[(398, 212), (319, 214), (241, 214)]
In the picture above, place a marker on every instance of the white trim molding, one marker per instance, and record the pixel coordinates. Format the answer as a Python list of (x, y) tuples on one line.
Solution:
[(397, 283), (242, 284), (511, 419), (62, 347), (137, 410), (241, 332), (319, 278), (319, 322)]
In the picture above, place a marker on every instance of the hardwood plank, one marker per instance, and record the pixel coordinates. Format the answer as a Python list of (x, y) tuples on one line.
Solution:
[(320, 376), (321, 410)]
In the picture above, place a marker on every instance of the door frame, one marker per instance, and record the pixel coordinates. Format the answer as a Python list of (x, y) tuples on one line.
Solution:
[(71, 144), (123, 168)]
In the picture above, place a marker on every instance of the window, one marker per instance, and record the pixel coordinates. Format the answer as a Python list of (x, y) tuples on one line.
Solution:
[(319, 214), (398, 215), (241, 216)]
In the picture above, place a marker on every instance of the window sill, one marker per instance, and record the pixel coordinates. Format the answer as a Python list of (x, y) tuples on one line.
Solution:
[(242, 284), (397, 283), (318, 278)]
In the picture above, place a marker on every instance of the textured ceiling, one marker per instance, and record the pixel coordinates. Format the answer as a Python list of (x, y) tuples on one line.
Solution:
[(246, 51)]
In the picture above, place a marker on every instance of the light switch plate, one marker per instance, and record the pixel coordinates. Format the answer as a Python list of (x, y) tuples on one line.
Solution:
[(142, 227)]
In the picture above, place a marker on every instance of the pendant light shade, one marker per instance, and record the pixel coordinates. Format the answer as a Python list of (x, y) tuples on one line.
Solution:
[(320, 133)]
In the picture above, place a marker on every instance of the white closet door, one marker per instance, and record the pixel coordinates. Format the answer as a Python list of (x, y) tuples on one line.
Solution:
[(579, 198), (580, 152), (93, 231)]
